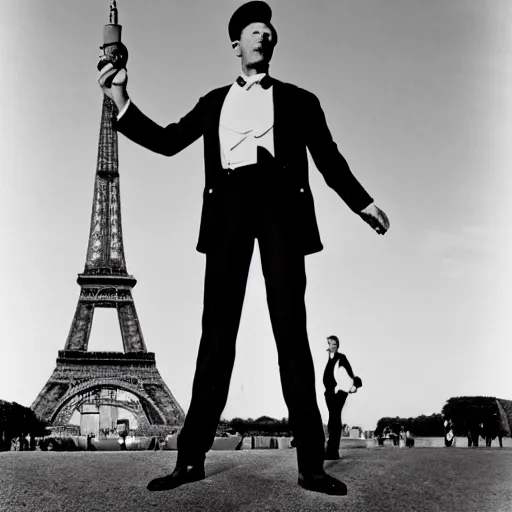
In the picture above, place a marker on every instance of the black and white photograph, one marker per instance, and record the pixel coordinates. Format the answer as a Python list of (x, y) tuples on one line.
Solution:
[(256, 255)]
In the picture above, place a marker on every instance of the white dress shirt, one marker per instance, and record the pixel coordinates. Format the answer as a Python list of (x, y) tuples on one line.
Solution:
[(123, 110), (246, 122), (343, 380)]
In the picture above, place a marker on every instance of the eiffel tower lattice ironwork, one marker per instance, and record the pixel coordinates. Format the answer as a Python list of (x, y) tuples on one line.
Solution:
[(82, 377)]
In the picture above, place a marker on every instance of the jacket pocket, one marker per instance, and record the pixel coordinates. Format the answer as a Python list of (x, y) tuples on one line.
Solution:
[(307, 227), (208, 213)]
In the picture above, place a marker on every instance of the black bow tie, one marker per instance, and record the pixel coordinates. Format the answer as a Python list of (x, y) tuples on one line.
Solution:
[(265, 82)]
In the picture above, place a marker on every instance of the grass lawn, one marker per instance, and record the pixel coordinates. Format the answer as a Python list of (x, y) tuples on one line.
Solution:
[(379, 480)]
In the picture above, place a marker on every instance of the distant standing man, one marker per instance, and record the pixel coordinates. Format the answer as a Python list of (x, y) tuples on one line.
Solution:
[(256, 133), (339, 381), (449, 437)]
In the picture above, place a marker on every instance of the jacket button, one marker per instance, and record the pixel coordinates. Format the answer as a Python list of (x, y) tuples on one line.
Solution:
[(285, 166), (301, 190), (210, 191)]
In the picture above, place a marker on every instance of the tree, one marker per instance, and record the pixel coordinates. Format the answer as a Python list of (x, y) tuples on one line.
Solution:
[(468, 412), (265, 419), (19, 421), (425, 426), (264, 425)]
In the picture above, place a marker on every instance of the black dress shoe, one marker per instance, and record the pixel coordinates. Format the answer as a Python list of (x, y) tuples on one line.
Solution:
[(322, 482), (181, 475), (331, 456)]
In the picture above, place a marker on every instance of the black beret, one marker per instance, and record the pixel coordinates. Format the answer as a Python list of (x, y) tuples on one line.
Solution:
[(251, 12)]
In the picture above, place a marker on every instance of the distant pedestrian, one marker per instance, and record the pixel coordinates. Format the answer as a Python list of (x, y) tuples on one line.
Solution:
[(448, 433), (122, 439), (339, 381), (401, 437)]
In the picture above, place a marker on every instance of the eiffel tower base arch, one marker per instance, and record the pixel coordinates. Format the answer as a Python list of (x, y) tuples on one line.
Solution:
[(95, 377)]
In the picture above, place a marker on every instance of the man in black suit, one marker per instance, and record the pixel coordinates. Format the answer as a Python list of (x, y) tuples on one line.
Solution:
[(256, 132), (335, 395)]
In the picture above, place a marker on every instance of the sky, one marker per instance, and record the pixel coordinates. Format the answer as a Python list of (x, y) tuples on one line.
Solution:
[(418, 97)]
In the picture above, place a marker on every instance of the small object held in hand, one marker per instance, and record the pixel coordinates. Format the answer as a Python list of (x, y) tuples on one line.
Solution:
[(115, 54), (114, 51)]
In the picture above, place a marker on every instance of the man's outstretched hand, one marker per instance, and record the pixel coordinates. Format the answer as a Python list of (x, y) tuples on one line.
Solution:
[(113, 84), (375, 218)]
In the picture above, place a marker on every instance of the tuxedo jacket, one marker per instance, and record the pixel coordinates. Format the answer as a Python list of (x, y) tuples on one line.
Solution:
[(299, 124)]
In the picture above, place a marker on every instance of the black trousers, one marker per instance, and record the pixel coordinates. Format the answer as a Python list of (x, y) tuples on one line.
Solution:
[(335, 403), (253, 204)]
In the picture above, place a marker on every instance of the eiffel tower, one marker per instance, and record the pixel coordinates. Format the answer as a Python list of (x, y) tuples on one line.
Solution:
[(86, 382)]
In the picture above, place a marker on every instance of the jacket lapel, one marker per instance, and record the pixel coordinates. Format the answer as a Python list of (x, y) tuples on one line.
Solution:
[(280, 118)]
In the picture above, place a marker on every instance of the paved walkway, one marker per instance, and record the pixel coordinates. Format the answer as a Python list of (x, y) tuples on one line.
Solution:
[(259, 480)]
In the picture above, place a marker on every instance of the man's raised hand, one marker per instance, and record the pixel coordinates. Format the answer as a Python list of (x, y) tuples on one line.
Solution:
[(113, 84)]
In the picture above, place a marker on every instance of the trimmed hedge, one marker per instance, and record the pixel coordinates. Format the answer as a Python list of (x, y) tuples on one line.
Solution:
[(467, 412), (424, 426)]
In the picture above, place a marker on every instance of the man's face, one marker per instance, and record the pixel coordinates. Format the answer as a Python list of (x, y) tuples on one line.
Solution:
[(256, 45), (333, 346)]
